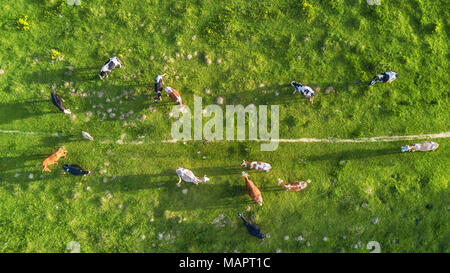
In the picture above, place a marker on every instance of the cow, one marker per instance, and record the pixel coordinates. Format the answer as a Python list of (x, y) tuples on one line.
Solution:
[(86, 135), (75, 170), (423, 146), (159, 84), (388, 77), (59, 102), (174, 95), (53, 158), (112, 63), (252, 228), (306, 91), (188, 176), (257, 165), (294, 186), (253, 191)]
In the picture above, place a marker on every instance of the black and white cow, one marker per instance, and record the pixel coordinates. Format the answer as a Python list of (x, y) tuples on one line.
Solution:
[(389, 77), (159, 84), (59, 102), (306, 91), (76, 170), (112, 63)]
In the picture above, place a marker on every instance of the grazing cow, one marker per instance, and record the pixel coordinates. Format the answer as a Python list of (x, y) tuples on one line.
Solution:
[(423, 146), (294, 186), (59, 102), (252, 228), (174, 95), (188, 176), (75, 170), (53, 158), (304, 90), (253, 191), (112, 63), (384, 77), (87, 135), (257, 165), (158, 87)]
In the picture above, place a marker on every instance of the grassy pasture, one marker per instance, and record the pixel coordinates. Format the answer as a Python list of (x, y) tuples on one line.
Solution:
[(246, 52)]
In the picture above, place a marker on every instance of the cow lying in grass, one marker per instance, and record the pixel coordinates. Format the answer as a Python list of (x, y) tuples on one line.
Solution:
[(294, 186), (174, 95), (389, 77), (253, 191), (257, 165), (423, 146), (53, 158), (304, 90), (188, 176), (112, 63)]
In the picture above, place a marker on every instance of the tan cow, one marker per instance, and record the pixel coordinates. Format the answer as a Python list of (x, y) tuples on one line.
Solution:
[(253, 191), (53, 159)]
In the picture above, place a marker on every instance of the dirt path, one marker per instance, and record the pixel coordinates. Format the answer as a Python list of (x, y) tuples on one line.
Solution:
[(327, 140), (354, 140)]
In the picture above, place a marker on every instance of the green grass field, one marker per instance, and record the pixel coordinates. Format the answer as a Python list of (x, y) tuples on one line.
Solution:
[(246, 52)]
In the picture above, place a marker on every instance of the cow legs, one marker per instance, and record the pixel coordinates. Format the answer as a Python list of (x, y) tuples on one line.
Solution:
[(179, 182)]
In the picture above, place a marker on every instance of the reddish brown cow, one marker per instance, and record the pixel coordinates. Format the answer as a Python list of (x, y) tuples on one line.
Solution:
[(253, 191)]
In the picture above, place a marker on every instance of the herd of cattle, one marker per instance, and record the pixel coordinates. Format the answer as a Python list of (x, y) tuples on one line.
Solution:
[(187, 175)]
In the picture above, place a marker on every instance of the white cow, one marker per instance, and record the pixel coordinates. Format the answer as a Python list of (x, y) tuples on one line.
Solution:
[(304, 90), (388, 77), (112, 63), (423, 146), (188, 176)]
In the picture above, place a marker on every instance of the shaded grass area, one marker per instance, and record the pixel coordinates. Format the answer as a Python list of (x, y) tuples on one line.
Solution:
[(255, 49)]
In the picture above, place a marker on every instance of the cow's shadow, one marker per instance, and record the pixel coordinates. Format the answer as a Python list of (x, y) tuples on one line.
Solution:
[(11, 111), (284, 93), (205, 195), (9, 164), (355, 154), (57, 76)]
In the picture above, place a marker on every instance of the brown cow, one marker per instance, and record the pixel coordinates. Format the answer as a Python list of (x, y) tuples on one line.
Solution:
[(253, 191), (174, 95), (53, 159)]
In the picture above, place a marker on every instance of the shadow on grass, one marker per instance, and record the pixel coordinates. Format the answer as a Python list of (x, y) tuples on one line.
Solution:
[(355, 154), (217, 171), (207, 195), (58, 141), (21, 110), (283, 94), (60, 75), (19, 163)]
